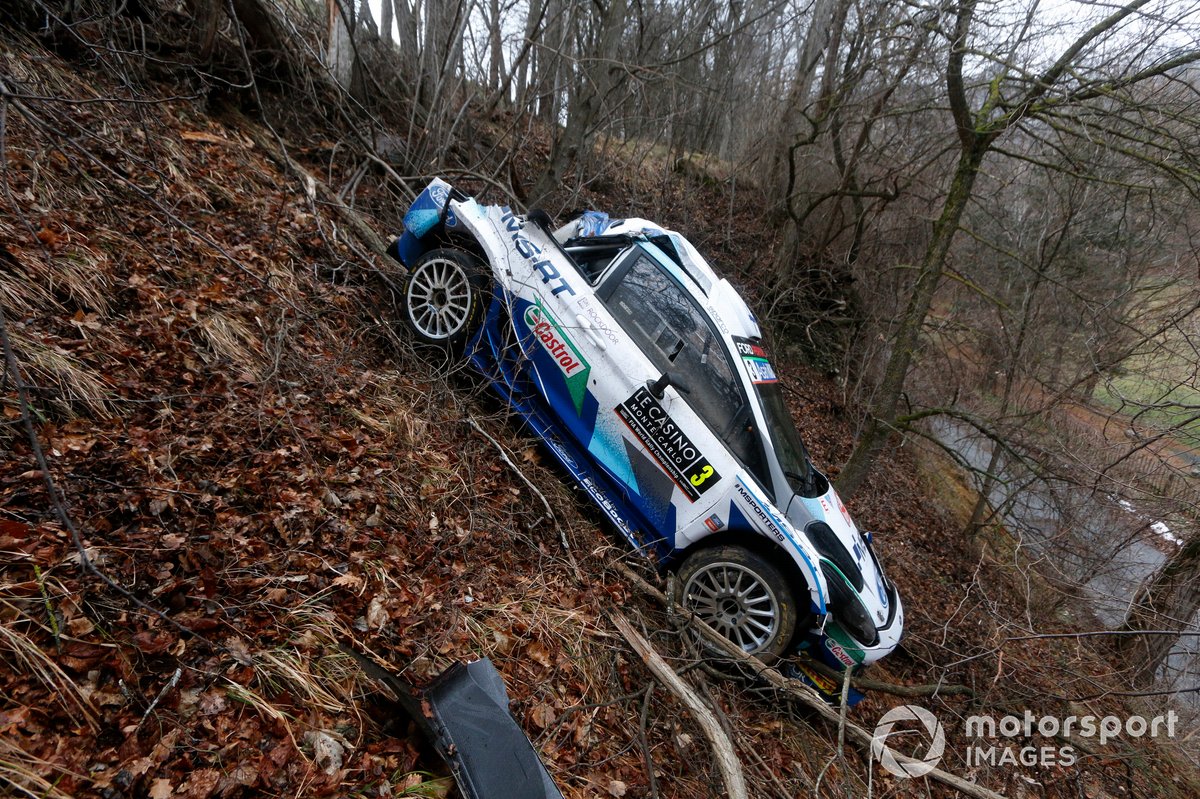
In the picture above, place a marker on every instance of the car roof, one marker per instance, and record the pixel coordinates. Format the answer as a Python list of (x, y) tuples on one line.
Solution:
[(715, 293)]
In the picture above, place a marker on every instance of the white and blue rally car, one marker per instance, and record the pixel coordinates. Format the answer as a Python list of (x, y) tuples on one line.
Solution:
[(644, 373)]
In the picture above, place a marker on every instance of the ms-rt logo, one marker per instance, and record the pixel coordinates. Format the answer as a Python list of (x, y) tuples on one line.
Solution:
[(1007, 741)]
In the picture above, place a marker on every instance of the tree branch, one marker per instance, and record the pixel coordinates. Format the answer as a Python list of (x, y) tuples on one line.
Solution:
[(727, 760), (797, 690)]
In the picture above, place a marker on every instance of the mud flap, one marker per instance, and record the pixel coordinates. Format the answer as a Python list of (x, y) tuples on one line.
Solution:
[(464, 714)]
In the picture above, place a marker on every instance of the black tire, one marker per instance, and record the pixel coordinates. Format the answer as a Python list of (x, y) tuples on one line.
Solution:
[(444, 298), (741, 595)]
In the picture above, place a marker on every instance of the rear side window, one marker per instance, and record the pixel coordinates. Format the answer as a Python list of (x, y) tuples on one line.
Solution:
[(668, 325)]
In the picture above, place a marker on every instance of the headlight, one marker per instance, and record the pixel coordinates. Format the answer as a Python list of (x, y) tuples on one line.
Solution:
[(847, 608), (830, 546)]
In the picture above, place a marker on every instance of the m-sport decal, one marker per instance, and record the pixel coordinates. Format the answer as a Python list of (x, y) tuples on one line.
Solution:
[(670, 446)]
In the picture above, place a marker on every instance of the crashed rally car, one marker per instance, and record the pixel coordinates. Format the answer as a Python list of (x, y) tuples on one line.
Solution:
[(645, 375)]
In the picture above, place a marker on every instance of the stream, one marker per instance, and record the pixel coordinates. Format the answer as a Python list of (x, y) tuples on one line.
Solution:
[(1102, 547)]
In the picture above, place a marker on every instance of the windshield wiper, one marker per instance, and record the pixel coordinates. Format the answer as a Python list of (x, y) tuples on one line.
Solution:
[(806, 481)]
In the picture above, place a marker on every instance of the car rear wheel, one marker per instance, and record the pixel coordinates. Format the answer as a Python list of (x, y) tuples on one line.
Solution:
[(444, 297), (740, 595)]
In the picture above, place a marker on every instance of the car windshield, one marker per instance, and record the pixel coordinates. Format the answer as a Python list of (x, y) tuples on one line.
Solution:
[(785, 439)]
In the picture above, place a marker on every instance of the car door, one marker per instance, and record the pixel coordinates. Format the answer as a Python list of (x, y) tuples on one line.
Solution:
[(663, 439)]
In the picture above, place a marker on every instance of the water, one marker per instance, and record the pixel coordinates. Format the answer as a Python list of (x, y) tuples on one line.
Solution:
[(1098, 543)]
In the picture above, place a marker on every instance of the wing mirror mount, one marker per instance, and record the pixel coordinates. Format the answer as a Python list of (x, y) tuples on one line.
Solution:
[(659, 386)]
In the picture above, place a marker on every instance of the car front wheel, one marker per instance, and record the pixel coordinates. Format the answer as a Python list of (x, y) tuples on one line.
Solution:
[(443, 297), (740, 595)]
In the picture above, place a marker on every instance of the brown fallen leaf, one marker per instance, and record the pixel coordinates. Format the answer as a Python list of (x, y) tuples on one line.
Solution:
[(161, 789), (201, 783), (14, 529), (347, 581), (542, 715), (202, 136), (538, 653)]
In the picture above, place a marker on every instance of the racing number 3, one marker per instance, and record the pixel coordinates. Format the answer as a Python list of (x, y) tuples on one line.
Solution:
[(704, 474)]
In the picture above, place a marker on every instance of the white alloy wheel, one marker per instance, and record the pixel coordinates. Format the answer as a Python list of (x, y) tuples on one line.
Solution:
[(742, 596), (444, 297)]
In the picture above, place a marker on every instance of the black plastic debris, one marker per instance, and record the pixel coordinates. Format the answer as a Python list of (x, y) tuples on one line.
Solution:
[(464, 713)]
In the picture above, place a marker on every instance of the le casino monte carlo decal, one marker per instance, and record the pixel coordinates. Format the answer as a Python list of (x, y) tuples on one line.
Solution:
[(679, 457)]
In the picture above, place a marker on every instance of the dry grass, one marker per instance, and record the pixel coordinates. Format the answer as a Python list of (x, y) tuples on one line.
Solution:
[(232, 340), (38, 281), (22, 773), (71, 386), (23, 655), (312, 667), (261, 705)]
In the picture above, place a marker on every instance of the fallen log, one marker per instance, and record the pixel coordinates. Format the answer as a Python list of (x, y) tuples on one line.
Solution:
[(723, 752), (797, 690)]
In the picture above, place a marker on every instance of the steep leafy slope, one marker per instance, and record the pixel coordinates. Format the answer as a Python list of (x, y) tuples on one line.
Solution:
[(264, 471)]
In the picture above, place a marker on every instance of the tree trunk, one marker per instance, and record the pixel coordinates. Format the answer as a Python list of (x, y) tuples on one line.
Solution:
[(408, 20), (586, 101), (825, 14), (386, 19), (908, 334), (339, 53), (1167, 602), (496, 77)]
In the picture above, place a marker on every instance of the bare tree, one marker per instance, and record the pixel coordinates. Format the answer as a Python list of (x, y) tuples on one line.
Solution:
[(1093, 76)]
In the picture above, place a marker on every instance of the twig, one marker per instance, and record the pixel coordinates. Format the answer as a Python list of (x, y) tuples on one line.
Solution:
[(645, 745), (907, 691), (727, 760), (845, 706), (562, 534), (290, 165), (51, 616), (797, 690), (171, 683), (840, 754)]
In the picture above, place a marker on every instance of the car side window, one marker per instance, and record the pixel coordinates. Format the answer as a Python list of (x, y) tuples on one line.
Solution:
[(671, 329)]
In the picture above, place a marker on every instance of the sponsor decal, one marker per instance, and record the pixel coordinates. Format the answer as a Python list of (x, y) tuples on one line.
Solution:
[(748, 349), (760, 370), (839, 645), (760, 513), (562, 351), (755, 359), (714, 523), (599, 323), (668, 444), (840, 653), (440, 194), (715, 315), (531, 252), (845, 513), (821, 681), (592, 488), (609, 508)]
